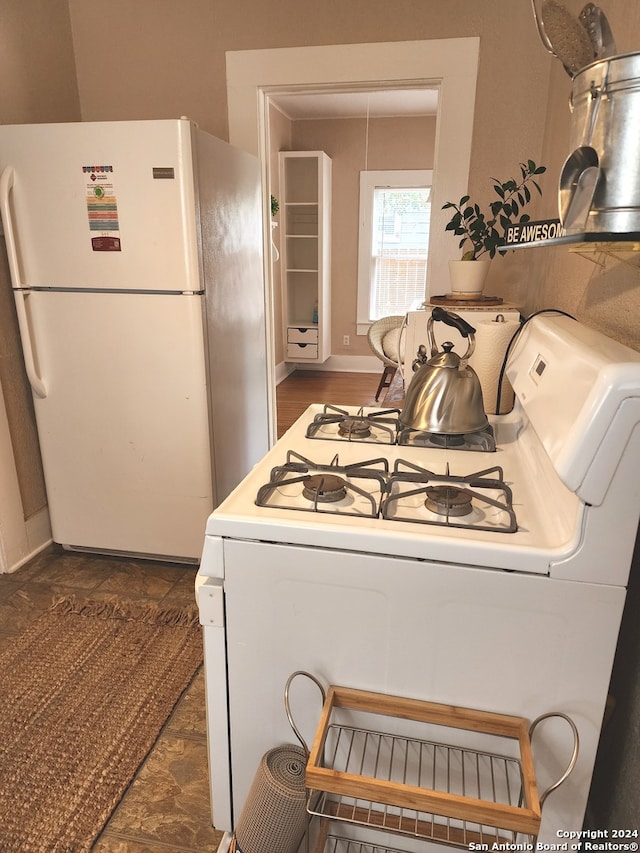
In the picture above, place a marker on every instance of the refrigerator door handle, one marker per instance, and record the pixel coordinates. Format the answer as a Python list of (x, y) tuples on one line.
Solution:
[(6, 186)]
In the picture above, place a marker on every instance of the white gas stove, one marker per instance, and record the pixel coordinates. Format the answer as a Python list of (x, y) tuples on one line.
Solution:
[(491, 576), (520, 515)]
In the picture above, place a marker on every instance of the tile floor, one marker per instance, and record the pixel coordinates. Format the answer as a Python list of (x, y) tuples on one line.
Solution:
[(166, 808)]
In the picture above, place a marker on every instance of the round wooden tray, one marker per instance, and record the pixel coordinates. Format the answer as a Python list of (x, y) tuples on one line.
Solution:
[(450, 299)]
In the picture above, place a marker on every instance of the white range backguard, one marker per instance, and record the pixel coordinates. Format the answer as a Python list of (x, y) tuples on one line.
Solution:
[(520, 623)]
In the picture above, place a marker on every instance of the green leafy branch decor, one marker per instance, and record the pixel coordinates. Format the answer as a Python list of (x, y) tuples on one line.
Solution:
[(275, 205), (470, 223)]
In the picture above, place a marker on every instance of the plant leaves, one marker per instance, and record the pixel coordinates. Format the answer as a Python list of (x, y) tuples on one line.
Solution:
[(469, 222)]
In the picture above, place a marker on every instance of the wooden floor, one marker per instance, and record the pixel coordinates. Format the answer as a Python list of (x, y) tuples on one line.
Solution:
[(303, 387)]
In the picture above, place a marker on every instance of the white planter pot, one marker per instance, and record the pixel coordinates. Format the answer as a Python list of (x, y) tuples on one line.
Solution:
[(468, 278)]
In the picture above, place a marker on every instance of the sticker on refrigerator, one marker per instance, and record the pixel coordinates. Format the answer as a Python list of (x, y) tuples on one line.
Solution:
[(102, 209)]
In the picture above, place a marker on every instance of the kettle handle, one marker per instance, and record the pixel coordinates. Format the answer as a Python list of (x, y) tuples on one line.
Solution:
[(451, 319), (454, 320)]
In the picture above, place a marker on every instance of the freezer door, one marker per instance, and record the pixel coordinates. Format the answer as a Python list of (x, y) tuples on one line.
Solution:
[(123, 423), (101, 205), (231, 217)]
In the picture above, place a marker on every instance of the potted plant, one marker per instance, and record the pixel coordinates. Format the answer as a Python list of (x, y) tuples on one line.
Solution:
[(275, 207), (480, 232)]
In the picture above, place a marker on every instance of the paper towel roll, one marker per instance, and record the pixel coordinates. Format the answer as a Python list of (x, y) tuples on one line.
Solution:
[(492, 340)]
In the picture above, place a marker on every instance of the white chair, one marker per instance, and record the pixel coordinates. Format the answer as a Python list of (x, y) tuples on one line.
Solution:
[(376, 334)]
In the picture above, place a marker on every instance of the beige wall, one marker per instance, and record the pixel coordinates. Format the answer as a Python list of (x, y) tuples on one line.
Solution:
[(37, 84), (37, 65), (163, 58)]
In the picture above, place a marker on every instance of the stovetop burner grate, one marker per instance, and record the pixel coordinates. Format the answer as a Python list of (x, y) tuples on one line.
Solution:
[(482, 441), (303, 485), (481, 500), (334, 424), (384, 427)]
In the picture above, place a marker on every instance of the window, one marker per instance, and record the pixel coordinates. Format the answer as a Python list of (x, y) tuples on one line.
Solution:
[(395, 213)]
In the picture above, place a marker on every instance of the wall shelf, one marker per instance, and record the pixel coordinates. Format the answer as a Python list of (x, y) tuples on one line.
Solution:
[(594, 246)]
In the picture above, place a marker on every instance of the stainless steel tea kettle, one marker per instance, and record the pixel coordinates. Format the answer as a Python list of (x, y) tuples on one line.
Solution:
[(444, 395)]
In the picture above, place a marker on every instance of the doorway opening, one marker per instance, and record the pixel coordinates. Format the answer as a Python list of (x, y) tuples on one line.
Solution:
[(449, 65)]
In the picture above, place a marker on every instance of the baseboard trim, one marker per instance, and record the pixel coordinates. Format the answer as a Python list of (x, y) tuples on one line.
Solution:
[(37, 537), (283, 369), (20, 539), (225, 843), (39, 530)]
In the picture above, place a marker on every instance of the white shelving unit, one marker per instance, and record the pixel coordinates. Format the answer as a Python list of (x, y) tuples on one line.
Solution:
[(305, 181)]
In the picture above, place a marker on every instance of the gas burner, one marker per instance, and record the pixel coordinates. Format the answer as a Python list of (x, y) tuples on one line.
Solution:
[(383, 427), (334, 424), (483, 440), (446, 441), (354, 427), (324, 488), (479, 501), (448, 501), (301, 484)]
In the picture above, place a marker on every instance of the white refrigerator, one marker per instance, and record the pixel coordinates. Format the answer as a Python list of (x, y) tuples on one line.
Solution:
[(135, 254)]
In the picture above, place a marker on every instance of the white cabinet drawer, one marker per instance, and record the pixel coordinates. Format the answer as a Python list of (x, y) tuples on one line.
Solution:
[(301, 335), (302, 351)]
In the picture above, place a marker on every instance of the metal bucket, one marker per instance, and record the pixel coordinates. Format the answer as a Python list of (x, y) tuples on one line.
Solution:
[(605, 101)]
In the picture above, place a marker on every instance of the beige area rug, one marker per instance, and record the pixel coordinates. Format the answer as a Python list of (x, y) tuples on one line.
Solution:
[(84, 693)]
